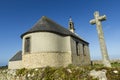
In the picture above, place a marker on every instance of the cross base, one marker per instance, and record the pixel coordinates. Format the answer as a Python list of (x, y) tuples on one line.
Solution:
[(107, 63)]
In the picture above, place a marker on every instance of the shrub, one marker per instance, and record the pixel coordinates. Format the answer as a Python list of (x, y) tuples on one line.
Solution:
[(21, 72)]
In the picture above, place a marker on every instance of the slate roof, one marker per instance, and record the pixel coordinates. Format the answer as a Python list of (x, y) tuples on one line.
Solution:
[(47, 25), (17, 56)]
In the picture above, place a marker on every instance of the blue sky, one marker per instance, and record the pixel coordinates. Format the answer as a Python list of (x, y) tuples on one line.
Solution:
[(17, 16)]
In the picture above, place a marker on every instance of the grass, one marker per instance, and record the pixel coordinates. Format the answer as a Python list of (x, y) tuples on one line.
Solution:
[(70, 72), (115, 64)]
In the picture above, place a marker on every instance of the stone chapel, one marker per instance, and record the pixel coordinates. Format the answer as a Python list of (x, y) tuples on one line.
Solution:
[(50, 44)]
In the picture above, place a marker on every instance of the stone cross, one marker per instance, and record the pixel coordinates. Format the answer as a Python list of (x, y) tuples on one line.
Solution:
[(97, 21)]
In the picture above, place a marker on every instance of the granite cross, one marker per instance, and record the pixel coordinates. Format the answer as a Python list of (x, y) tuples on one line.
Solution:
[(97, 21)]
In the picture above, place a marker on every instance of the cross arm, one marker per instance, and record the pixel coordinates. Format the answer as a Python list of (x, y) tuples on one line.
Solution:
[(93, 21), (102, 18)]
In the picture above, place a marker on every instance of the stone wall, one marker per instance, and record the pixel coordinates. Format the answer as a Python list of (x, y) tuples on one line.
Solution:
[(84, 56), (46, 59), (47, 49), (50, 49), (115, 60), (15, 64), (100, 61), (87, 59)]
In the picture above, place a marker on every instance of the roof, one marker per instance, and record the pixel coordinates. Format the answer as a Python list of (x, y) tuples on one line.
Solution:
[(47, 25), (17, 56)]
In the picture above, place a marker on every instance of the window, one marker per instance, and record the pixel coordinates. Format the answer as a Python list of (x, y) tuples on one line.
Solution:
[(27, 44), (78, 48), (84, 50)]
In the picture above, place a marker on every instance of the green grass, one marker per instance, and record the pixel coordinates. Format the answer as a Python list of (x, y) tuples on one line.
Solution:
[(115, 64)]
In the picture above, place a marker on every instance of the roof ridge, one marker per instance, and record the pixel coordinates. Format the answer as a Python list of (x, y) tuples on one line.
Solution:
[(45, 24)]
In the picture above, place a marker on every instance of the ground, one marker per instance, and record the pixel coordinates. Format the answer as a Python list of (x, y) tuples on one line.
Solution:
[(62, 73)]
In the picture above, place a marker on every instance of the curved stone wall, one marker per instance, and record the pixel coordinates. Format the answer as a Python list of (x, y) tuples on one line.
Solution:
[(48, 42), (47, 49), (46, 59)]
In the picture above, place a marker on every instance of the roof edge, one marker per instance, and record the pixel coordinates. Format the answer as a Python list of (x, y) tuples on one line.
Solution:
[(55, 33)]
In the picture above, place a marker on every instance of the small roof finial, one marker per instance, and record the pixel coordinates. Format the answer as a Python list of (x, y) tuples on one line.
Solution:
[(70, 19)]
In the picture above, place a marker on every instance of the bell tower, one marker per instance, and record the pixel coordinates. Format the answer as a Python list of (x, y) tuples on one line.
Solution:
[(71, 25)]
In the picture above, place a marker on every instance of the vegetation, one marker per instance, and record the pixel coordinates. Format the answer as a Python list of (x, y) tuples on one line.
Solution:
[(116, 64), (3, 67), (52, 73), (67, 73)]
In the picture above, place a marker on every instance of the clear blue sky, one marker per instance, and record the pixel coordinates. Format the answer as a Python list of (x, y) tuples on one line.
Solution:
[(17, 16)]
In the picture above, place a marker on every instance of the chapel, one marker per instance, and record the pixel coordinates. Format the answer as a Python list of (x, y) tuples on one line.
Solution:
[(50, 44)]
